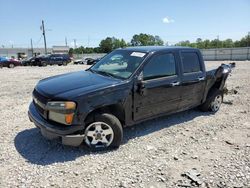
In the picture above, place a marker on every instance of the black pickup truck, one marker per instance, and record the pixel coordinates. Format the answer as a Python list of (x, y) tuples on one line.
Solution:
[(125, 87)]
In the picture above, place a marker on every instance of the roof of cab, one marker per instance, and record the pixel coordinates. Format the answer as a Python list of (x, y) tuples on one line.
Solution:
[(148, 49)]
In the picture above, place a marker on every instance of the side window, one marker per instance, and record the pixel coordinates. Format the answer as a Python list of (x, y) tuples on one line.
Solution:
[(190, 61), (160, 66), (52, 56)]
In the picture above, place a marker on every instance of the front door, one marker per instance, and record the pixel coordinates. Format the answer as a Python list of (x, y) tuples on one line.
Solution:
[(161, 92)]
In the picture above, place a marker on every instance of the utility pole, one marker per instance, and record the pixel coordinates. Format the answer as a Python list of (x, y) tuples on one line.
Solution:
[(44, 37), (75, 43), (218, 39), (66, 42), (248, 45), (248, 39), (31, 45), (88, 41), (217, 46)]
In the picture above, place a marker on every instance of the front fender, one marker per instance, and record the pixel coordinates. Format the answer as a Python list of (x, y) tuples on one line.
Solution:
[(118, 97)]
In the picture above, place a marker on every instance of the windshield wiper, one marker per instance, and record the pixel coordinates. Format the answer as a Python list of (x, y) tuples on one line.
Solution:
[(105, 73), (91, 70)]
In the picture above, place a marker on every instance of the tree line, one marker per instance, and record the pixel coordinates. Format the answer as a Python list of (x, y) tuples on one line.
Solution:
[(216, 43), (110, 43)]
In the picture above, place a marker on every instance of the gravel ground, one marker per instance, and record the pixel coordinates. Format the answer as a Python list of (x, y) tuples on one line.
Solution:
[(187, 149)]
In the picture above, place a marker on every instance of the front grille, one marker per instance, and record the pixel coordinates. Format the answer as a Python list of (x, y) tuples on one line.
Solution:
[(40, 103), (40, 110)]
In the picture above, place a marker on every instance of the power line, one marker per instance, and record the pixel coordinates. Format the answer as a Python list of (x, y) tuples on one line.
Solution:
[(39, 40)]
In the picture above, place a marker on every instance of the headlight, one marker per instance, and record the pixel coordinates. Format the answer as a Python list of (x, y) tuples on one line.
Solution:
[(61, 112)]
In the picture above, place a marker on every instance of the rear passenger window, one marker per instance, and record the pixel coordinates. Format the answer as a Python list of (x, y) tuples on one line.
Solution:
[(190, 61), (160, 66)]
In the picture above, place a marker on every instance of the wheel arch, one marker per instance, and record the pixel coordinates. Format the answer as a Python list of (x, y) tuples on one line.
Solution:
[(115, 109), (218, 83)]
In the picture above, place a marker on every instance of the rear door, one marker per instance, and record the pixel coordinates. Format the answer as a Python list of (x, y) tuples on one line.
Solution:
[(192, 79), (56, 59), (162, 91), (52, 59)]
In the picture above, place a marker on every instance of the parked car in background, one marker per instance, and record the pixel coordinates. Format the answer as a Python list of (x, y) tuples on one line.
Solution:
[(87, 61), (39, 60), (79, 61), (52, 59), (28, 61), (9, 62), (124, 88), (91, 61)]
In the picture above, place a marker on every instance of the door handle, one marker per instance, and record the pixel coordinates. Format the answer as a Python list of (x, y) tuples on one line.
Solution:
[(201, 78), (175, 83)]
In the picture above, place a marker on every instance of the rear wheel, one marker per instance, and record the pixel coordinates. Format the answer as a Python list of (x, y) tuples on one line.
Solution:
[(216, 103), (213, 101), (11, 65), (104, 132)]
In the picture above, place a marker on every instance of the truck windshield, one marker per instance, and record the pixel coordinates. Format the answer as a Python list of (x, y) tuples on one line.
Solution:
[(119, 64)]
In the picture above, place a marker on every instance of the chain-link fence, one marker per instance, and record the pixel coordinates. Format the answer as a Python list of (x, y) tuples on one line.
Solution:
[(83, 56), (226, 54), (233, 54)]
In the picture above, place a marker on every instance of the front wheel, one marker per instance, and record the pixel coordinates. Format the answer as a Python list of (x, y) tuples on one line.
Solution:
[(213, 101), (11, 65), (104, 132)]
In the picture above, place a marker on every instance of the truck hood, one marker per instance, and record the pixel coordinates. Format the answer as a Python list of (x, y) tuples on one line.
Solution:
[(83, 81)]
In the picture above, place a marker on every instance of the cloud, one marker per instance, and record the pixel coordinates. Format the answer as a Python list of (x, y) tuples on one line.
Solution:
[(167, 20)]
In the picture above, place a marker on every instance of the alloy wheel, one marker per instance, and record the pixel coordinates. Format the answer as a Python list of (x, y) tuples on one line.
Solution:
[(11, 65), (99, 134), (216, 103)]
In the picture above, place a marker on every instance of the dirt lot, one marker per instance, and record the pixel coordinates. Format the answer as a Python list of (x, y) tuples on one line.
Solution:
[(154, 154)]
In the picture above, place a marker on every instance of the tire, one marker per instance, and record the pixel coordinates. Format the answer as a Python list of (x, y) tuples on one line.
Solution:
[(11, 65), (89, 62), (44, 64), (213, 101), (104, 132)]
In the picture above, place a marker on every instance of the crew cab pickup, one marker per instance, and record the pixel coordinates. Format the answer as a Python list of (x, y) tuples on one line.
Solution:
[(125, 87)]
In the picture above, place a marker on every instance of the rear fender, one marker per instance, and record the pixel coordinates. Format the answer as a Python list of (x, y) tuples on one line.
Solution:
[(219, 78)]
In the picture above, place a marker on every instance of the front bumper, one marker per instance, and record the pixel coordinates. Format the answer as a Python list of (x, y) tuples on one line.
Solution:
[(66, 133)]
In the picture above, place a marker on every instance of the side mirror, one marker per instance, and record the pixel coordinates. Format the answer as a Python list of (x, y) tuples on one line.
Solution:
[(140, 77), (141, 89)]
